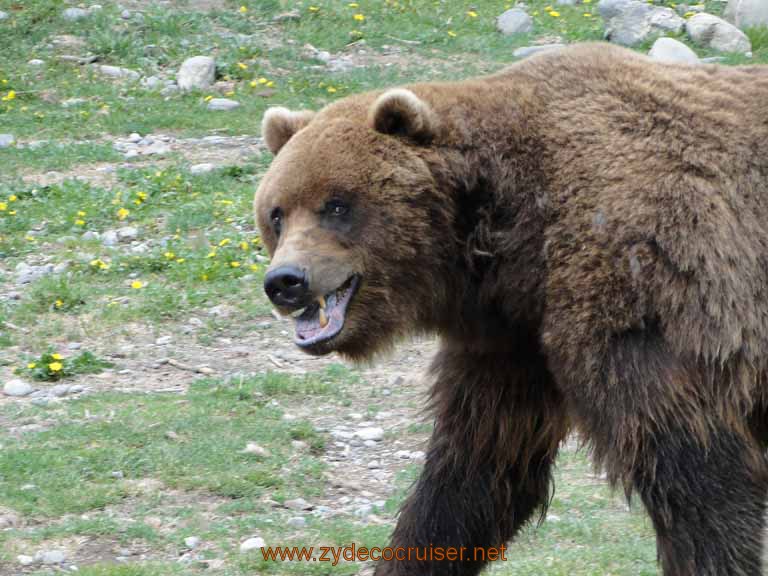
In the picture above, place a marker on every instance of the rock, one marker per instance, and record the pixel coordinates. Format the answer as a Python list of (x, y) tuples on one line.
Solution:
[(514, 21), (59, 390), (127, 234), (109, 238), (222, 311), (374, 465), (95, 7), (713, 32), (49, 557), (3, 15), (567, 2), (630, 22), (164, 340), (203, 168), (25, 560), (297, 522), (298, 504), (525, 51), (72, 102), (373, 433), (90, 235), (36, 62), (192, 542), (251, 544), (253, 448), (8, 519), (7, 140), (223, 104), (364, 510), (26, 274), (747, 13), (125, 14), (73, 14), (196, 73), (672, 51), (134, 138), (117, 72), (152, 82)]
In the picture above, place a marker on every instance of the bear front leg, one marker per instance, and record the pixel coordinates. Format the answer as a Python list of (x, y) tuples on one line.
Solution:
[(662, 427), (499, 422)]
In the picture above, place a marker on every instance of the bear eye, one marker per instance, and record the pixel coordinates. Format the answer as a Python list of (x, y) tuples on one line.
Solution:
[(336, 207), (276, 217)]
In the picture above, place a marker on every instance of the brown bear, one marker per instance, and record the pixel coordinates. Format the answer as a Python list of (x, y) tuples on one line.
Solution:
[(587, 232)]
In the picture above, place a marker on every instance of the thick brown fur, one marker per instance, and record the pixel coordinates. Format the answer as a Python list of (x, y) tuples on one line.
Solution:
[(587, 231)]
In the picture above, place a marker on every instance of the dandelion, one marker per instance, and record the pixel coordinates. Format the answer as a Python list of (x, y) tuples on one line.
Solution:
[(3, 206), (80, 213), (314, 9), (208, 98), (55, 366), (353, 4), (359, 17), (471, 13), (254, 267), (263, 80), (57, 356), (31, 366), (243, 245), (331, 89), (271, 84), (554, 13), (204, 277), (243, 9), (451, 33), (211, 254), (242, 65), (180, 260), (137, 284), (58, 304), (169, 255), (79, 222), (225, 242), (8, 97), (253, 83), (234, 264), (100, 264), (12, 198), (122, 214), (141, 195)]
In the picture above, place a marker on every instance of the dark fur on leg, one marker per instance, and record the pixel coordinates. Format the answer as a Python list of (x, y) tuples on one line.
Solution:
[(656, 423), (499, 422)]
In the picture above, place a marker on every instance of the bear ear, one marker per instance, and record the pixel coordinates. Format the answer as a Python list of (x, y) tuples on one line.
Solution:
[(280, 124), (399, 112)]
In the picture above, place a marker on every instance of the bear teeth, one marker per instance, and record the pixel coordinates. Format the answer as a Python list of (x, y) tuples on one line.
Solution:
[(321, 301), (323, 317)]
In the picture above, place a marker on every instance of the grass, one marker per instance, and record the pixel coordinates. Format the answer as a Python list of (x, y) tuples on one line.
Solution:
[(143, 471)]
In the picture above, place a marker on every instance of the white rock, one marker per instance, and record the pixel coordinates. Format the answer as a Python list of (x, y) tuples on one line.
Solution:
[(223, 104), (257, 450), (50, 557), (525, 51), (125, 14), (630, 22), (36, 62), (17, 388), (514, 21), (127, 234), (134, 137), (117, 72), (164, 340), (109, 238), (59, 390), (192, 542), (373, 433), (251, 544), (298, 504), (297, 522), (713, 32), (25, 560), (747, 13), (7, 140), (203, 168), (95, 7), (3, 15), (73, 14), (196, 73), (672, 51)]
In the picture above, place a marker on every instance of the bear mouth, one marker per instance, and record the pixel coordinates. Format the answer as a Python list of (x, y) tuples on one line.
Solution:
[(322, 320)]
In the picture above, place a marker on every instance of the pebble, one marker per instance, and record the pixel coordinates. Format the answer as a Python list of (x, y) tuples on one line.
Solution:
[(298, 504), (192, 542), (196, 73), (73, 14), (255, 449), (3, 15), (90, 235), (672, 51), (251, 544), (514, 21), (164, 340), (202, 168), (26, 274), (125, 14), (59, 390), (297, 522), (17, 388), (222, 104), (373, 465), (25, 560), (127, 234), (7, 140), (49, 557), (117, 72), (372, 433), (36, 62)]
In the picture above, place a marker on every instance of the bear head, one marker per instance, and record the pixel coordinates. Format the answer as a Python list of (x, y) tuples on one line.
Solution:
[(355, 220)]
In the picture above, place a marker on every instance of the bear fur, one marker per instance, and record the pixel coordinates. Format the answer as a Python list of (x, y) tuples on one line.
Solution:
[(587, 232)]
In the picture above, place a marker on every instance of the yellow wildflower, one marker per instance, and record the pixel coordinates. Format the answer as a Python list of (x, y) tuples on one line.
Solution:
[(80, 222), (235, 264), (253, 83), (137, 284), (55, 366), (244, 245), (359, 17), (331, 89), (170, 255), (8, 97), (242, 65), (263, 80), (58, 304), (451, 33), (471, 13), (554, 13), (225, 242), (3, 206), (12, 198), (314, 9), (122, 214), (31, 365), (57, 356), (243, 9)]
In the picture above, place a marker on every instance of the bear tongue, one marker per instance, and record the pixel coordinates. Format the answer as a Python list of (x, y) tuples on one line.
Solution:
[(309, 328)]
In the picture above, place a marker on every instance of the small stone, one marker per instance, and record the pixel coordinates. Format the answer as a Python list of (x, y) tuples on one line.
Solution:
[(17, 388), (117, 474), (364, 510), (73, 14), (374, 465), (514, 21), (50, 557), (192, 542), (297, 522), (25, 560), (298, 504), (164, 340), (222, 311), (3, 15), (299, 445), (152, 82), (134, 137), (90, 235), (256, 450), (196, 73), (222, 104), (202, 168), (373, 433), (95, 7), (7, 140), (59, 390), (36, 62), (125, 14), (127, 234), (117, 72), (251, 544), (713, 32), (672, 51)]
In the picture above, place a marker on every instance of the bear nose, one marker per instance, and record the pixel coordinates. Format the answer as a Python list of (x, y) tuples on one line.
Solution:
[(287, 286)]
